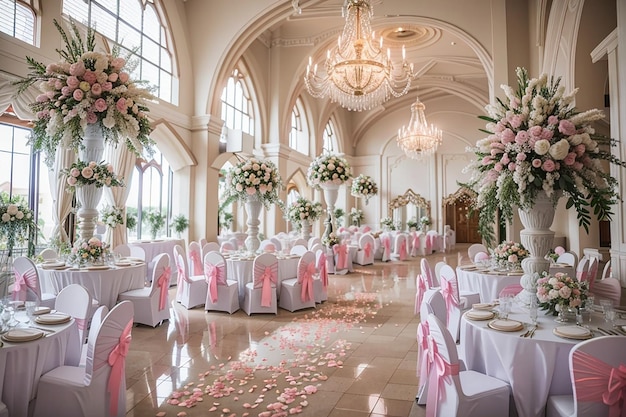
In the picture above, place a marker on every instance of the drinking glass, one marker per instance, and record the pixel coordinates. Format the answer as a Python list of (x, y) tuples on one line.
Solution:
[(610, 315), (583, 316), (589, 302), (505, 307), (533, 310)]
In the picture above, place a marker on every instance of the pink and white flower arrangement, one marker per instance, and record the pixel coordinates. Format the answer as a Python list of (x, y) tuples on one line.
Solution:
[(254, 177), (303, 210), (86, 88), (364, 186), (560, 290), (328, 168), (17, 223), (509, 252), (88, 251), (83, 173), (538, 142)]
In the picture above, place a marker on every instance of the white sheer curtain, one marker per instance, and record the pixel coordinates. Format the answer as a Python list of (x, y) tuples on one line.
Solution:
[(123, 162), (62, 199)]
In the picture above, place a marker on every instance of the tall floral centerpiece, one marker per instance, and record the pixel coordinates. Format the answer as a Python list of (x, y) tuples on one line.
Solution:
[(256, 183), (88, 252), (356, 216), (425, 223), (364, 187), (509, 255), (539, 148), (87, 99), (328, 172), (301, 213)]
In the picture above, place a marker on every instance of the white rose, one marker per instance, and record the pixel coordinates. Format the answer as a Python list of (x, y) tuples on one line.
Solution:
[(6, 217), (542, 147), (559, 150), (12, 209), (20, 215)]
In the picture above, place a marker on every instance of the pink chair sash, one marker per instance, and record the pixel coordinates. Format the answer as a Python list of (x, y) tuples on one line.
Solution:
[(116, 360), (342, 256), (597, 381), (164, 284), (22, 281), (442, 369), (195, 260), (415, 244), (448, 291), (265, 277), (181, 273), (367, 249), (214, 275), (305, 274), (429, 244), (366, 229), (321, 265), (419, 294), (386, 241), (423, 332), (403, 249), (81, 323)]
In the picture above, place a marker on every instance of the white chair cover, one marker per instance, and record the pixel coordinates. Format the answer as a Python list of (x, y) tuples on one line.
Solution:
[(151, 304), (26, 286), (314, 241), (569, 258), (75, 300), (582, 269), (194, 258), (191, 289), (474, 249), (450, 292), (316, 247), (427, 271), (94, 326), (298, 250), (210, 247), (48, 254), (320, 282), (260, 295), (222, 294), (298, 293), (98, 389), (277, 245), (138, 252), (365, 254), (300, 241), (123, 249), (226, 247), (400, 248)]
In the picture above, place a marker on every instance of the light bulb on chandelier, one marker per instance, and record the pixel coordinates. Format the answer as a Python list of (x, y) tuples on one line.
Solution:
[(418, 138), (357, 73)]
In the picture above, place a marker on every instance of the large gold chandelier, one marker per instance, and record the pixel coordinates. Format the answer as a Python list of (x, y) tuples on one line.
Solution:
[(358, 74), (419, 139)]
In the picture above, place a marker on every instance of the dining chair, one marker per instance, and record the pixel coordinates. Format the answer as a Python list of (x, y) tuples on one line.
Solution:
[(94, 324), (428, 273), (277, 245), (298, 293), (320, 282), (456, 392), (27, 284), (264, 243), (210, 247), (582, 269), (235, 242), (300, 241), (122, 249), (313, 241), (75, 300), (48, 254), (608, 287), (343, 263), (137, 252), (222, 294), (385, 244), (298, 250), (151, 304), (190, 289), (569, 258), (400, 250), (592, 272), (99, 388), (416, 243), (227, 247), (365, 254), (598, 375), (260, 294), (474, 249), (455, 302), (194, 258), (437, 270), (316, 247)]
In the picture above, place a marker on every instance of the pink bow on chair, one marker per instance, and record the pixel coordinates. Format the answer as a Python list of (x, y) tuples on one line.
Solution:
[(23, 281), (419, 295), (449, 295), (264, 277), (181, 272), (443, 369), (214, 275), (342, 256), (429, 244), (116, 360), (321, 265), (367, 249), (423, 332), (195, 260), (164, 283), (597, 381), (306, 272), (386, 241), (403, 249)]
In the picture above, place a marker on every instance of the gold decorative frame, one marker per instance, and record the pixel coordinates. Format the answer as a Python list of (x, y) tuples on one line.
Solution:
[(409, 197)]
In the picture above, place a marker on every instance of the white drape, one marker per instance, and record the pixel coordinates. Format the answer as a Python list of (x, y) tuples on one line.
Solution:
[(123, 162), (62, 200)]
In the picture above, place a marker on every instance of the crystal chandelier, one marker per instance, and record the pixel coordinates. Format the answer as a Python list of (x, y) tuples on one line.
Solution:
[(418, 139), (357, 73)]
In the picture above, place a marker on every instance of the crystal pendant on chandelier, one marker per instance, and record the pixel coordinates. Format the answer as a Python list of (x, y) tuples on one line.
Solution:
[(419, 139), (358, 74)]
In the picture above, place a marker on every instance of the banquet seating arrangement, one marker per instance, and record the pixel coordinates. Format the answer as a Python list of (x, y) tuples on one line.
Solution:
[(27, 286), (476, 248), (569, 258), (453, 392), (75, 300), (267, 245), (98, 389), (320, 282), (298, 250), (597, 369), (226, 247), (581, 269), (48, 254), (210, 247), (608, 287), (191, 289), (122, 249), (298, 293), (222, 293), (400, 249), (300, 241), (151, 304), (315, 247), (313, 241), (194, 258), (365, 254), (277, 245), (138, 252), (260, 294)]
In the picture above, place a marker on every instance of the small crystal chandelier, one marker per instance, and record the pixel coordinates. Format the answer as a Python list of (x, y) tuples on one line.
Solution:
[(419, 139), (358, 74)]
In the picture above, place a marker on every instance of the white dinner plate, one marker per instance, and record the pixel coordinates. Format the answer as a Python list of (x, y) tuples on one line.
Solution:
[(479, 315), (22, 335), (506, 325), (572, 332), (53, 318)]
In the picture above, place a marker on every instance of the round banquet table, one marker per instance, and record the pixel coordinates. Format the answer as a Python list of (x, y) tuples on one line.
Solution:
[(23, 363), (534, 367), (152, 248), (240, 270), (103, 284)]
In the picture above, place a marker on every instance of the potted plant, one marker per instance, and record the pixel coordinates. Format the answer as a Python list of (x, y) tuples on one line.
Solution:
[(180, 224), (155, 221)]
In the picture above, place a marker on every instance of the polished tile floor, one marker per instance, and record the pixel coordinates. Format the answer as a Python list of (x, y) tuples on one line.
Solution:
[(355, 355)]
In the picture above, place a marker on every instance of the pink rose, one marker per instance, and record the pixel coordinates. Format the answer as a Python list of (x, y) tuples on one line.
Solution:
[(113, 77), (521, 156), (567, 128), (487, 160), (512, 258), (495, 152), (536, 163), (497, 145), (546, 134), (507, 136), (90, 77), (521, 137), (66, 91), (50, 94), (72, 82), (58, 84), (100, 105), (498, 167), (512, 166), (96, 89), (239, 187), (515, 121), (570, 159), (559, 250), (535, 131), (262, 188), (118, 63), (505, 159), (110, 168), (77, 69), (121, 105), (124, 77), (41, 98), (78, 94), (92, 164), (548, 165), (580, 149), (107, 86), (71, 180), (91, 117), (250, 190), (499, 127), (74, 172), (87, 172), (553, 120)]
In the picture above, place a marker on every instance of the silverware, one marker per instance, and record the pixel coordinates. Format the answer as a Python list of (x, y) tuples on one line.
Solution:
[(525, 334), (43, 329), (605, 332), (532, 333)]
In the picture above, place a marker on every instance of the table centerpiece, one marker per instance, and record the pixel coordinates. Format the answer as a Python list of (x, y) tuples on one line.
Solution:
[(560, 294), (302, 213), (88, 252), (509, 255), (364, 187)]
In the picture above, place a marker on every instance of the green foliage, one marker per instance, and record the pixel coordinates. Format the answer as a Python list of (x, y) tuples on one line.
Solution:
[(180, 223)]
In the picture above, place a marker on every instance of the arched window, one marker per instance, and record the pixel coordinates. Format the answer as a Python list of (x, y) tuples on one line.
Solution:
[(330, 138), (137, 26), (236, 105), (299, 135), (292, 194), (17, 19)]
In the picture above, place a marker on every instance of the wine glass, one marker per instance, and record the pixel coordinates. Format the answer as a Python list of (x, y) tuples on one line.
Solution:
[(533, 310)]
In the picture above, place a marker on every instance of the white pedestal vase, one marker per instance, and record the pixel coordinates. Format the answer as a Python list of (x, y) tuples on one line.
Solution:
[(305, 229), (253, 210), (89, 196), (331, 192), (538, 239)]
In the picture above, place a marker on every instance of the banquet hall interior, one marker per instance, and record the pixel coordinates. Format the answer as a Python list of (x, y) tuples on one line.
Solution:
[(231, 81)]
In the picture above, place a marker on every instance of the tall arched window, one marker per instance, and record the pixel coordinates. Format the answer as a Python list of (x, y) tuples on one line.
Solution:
[(330, 138), (236, 104), (137, 26), (299, 135), (17, 19)]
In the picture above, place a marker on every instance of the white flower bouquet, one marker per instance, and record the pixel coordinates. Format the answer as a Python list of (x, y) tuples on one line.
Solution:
[(328, 168), (92, 251), (83, 173), (304, 210), (86, 88), (364, 186), (510, 253), (112, 216), (17, 223), (538, 142), (560, 290), (254, 177), (356, 216), (387, 223), (330, 240)]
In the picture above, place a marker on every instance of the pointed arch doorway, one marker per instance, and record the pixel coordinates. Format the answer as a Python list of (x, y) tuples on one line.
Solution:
[(457, 209)]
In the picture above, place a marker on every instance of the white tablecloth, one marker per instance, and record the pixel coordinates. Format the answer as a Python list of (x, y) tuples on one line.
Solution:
[(535, 368), (156, 247), (103, 285), (242, 272), (22, 364)]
